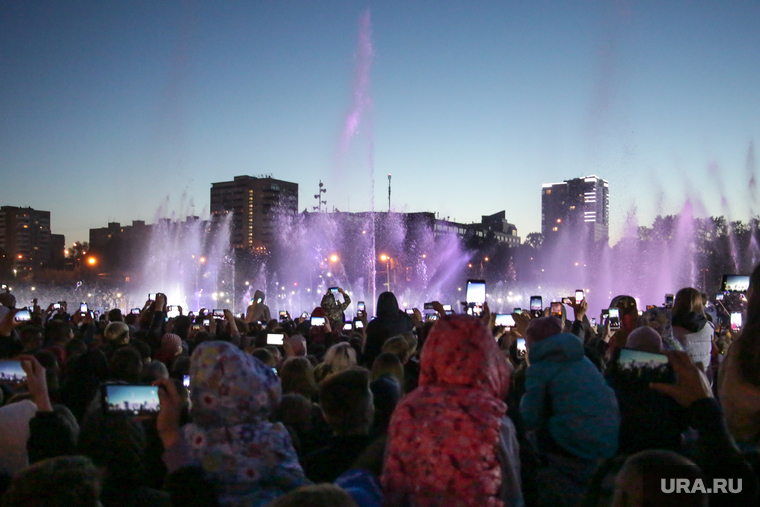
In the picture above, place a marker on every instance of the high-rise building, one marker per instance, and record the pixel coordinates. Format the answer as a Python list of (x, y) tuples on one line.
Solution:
[(25, 237), (255, 202), (580, 204)]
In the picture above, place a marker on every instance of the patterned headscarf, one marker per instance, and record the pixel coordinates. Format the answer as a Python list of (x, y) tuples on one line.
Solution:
[(443, 437), (251, 460)]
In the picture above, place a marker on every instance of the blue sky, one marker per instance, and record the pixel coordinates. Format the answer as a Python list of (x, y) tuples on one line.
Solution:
[(114, 110)]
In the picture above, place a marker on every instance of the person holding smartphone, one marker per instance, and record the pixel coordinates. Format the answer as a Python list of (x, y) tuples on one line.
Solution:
[(334, 310), (258, 311)]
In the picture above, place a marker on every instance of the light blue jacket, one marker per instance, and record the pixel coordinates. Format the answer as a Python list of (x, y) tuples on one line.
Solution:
[(565, 391)]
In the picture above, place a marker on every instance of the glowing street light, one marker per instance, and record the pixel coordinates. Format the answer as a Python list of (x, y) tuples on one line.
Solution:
[(92, 260)]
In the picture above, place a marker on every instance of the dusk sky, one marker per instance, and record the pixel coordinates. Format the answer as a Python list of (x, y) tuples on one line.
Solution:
[(116, 111)]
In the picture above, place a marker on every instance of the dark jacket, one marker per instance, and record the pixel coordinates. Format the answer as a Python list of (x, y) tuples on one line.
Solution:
[(390, 322)]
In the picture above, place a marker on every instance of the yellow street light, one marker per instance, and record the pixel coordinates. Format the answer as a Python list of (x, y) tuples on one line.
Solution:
[(92, 261)]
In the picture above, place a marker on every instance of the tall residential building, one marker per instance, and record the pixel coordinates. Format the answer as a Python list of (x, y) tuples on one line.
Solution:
[(576, 205), (25, 237), (255, 202)]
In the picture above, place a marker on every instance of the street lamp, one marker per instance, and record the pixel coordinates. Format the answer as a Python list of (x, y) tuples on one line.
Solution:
[(92, 260), (387, 260)]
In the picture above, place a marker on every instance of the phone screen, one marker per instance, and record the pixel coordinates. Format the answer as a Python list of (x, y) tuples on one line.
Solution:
[(83, 307), (669, 299), (275, 338), (505, 319), (614, 318), (536, 303), (736, 321), (317, 321), (359, 324), (206, 322), (579, 295), (360, 306), (521, 348), (348, 326), (641, 367), (283, 315), (556, 308), (186, 380), (218, 314), (130, 399), (11, 372), (172, 312), (410, 311), (23, 315), (135, 311), (476, 291), (56, 306), (152, 296)]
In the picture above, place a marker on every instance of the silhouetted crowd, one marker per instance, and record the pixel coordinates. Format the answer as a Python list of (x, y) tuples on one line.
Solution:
[(659, 407)]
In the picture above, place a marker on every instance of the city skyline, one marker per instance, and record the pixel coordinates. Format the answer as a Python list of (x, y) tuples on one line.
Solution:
[(129, 112)]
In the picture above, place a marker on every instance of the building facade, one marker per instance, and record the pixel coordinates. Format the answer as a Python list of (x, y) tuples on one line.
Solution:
[(256, 204), (580, 205), (25, 237)]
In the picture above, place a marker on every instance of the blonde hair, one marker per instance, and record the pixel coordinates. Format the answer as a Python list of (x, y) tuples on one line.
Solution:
[(399, 346), (340, 356), (388, 363)]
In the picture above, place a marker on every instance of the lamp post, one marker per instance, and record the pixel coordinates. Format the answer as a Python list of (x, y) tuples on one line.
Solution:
[(387, 260)]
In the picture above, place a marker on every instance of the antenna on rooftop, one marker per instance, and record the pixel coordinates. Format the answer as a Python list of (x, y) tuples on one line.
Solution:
[(318, 197), (389, 192)]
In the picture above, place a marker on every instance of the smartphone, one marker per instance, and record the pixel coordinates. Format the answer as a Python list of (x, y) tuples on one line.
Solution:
[(305, 315), (348, 326), (135, 311), (359, 324), (11, 372), (152, 296), (206, 322), (218, 314), (56, 306), (641, 367), (605, 313), (317, 321), (518, 311), (719, 297), (556, 309), (283, 315), (567, 301), (505, 319), (735, 283), (579, 295), (130, 399), (196, 327), (83, 307), (23, 315), (360, 306), (334, 290), (431, 317), (172, 311), (736, 321), (614, 319), (476, 291), (275, 338), (593, 321), (186, 381), (410, 311), (522, 349), (669, 300), (447, 310), (536, 303), (428, 306)]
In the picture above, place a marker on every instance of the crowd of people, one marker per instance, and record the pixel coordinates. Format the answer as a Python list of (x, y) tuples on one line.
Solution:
[(397, 410)]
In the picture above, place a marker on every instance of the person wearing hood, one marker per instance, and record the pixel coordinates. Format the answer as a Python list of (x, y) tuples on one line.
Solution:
[(691, 327), (335, 310), (258, 311), (450, 441), (571, 410), (248, 460), (390, 321)]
